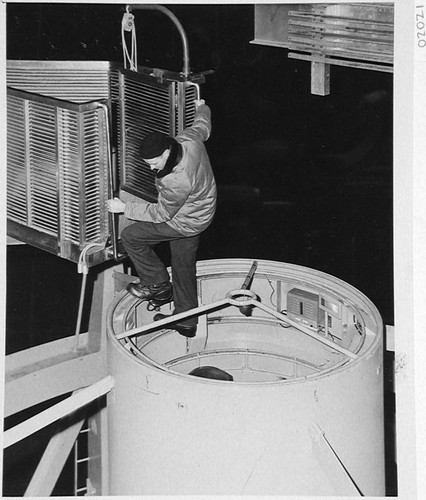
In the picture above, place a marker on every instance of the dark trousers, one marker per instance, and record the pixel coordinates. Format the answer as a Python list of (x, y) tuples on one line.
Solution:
[(139, 239)]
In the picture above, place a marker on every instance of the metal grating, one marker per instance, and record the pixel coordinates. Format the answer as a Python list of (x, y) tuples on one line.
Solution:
[(16, 168), (147, 105), (80, 171), (190, 96), (57, 172), (76, 81), (69, 175), (95, 179), (42, 161), (186, 93)]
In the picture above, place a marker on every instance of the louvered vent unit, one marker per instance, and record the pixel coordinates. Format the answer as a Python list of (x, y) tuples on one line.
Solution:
[(57, 176), (303, 306), (75, 81), (356, 35), (60, 146), (149, 103)]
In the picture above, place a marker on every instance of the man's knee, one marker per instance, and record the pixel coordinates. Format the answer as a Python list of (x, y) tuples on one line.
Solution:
[(127, 236), (123, 235)]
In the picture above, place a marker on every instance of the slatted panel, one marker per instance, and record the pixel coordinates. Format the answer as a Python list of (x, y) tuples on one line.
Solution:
[(74, 81), (190, 96), (42, 161), (185, 109), (148, 106), (95, 176), (115, 115), (70, 175), (58, 178), (83, 173), (16, 160)]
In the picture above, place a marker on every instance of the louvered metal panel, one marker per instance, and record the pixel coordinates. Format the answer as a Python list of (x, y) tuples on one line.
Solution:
[(16, 169), (95, 179), (57, 173), (42, 162), (191, 93), (69, 175), (147, 105), (186, 93), (75, 81)]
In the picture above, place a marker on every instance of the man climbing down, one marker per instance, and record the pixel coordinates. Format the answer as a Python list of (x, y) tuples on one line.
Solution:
[(185, 208)]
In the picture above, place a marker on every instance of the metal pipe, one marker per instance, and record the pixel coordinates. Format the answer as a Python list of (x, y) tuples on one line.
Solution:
[(175, 20), (113, 217), (247, 281), (247, 310)]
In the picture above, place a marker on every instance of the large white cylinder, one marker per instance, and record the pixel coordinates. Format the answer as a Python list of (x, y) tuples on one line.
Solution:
[(299, 418)]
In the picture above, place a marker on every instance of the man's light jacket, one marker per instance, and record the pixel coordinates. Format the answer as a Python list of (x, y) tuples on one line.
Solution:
[(187, 195)]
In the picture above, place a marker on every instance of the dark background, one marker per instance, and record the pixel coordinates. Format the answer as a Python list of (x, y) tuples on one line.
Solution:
[(302, 179)]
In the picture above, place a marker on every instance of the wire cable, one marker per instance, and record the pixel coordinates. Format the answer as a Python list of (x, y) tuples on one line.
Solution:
[(128, 24)]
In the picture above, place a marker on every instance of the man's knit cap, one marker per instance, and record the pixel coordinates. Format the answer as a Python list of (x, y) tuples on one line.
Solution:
[(153, 145)]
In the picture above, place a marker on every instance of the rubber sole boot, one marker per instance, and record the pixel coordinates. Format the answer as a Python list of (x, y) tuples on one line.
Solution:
[(188, 331), (158, 294)]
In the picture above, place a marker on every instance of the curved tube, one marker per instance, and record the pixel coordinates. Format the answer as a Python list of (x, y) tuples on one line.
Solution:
[(178, 25), (113, 216)]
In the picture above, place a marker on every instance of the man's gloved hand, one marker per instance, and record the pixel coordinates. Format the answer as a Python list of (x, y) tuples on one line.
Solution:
[(116, 205), (199, 102)]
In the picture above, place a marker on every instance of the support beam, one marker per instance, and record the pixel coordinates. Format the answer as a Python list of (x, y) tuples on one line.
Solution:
[(320, 78), (49, 370), (50, 376), (57, 411)]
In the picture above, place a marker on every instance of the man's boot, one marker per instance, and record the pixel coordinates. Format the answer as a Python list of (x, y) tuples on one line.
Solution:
[(182, 328), (157, 294)]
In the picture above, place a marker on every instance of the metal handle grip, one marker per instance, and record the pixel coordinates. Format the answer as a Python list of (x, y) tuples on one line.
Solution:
[(112, 216)]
